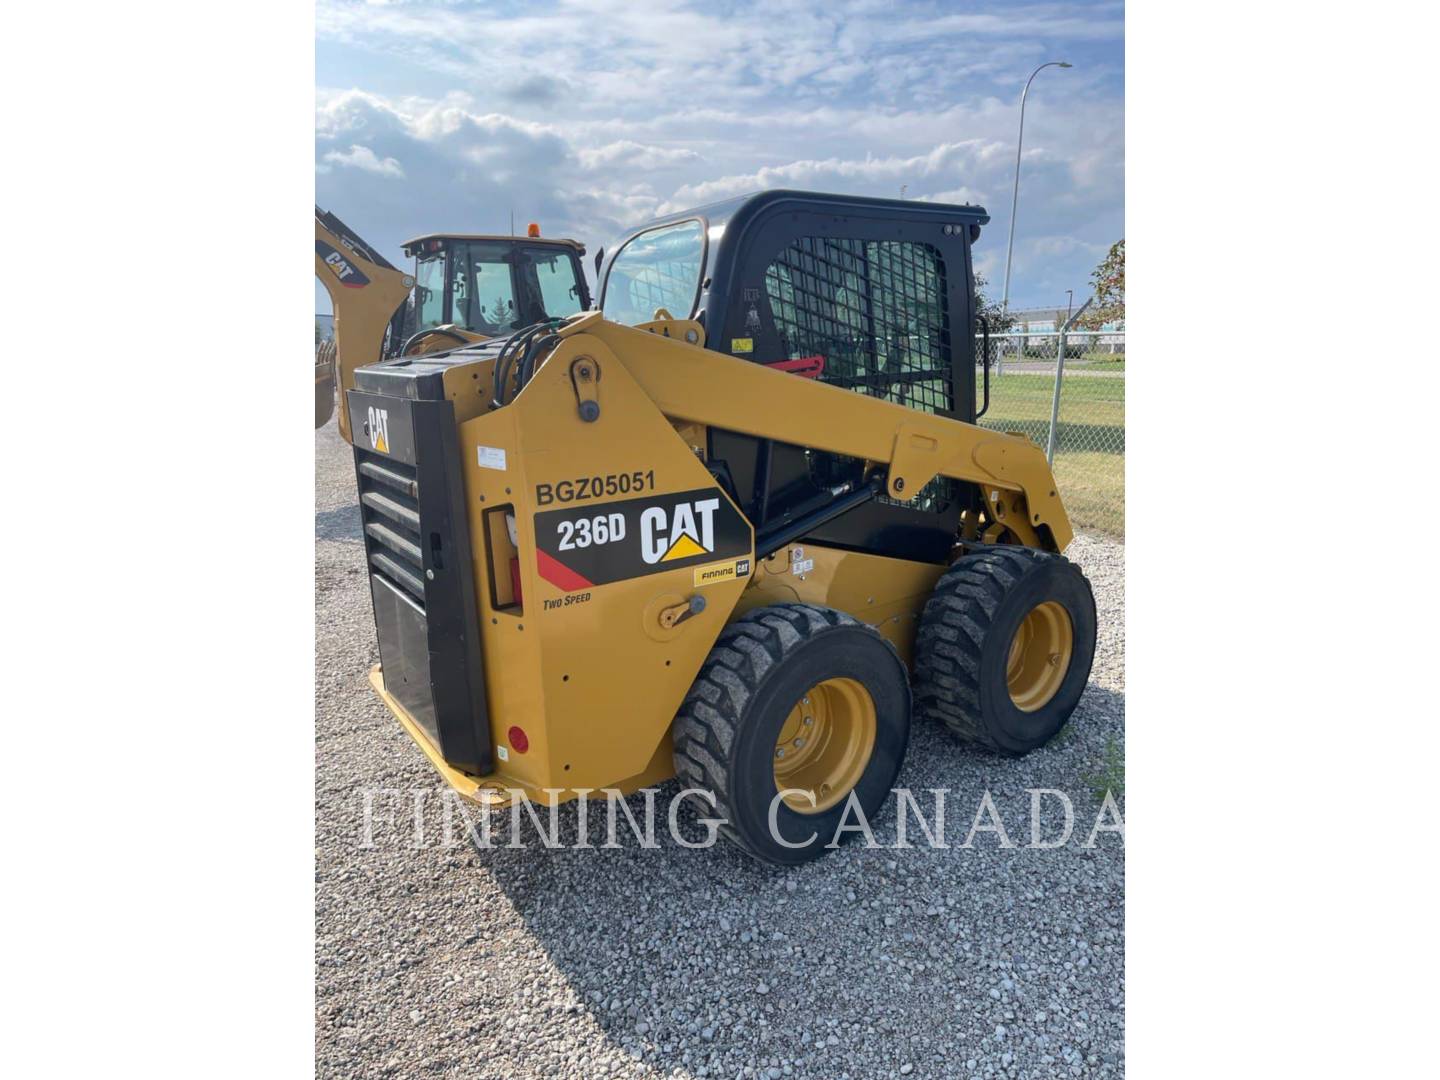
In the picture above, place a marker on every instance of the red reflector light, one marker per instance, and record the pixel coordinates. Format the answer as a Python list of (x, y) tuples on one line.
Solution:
[(518, 739), (534, 229)]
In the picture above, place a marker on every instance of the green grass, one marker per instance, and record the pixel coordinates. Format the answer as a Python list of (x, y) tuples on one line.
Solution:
[(1090, 441), (1102, 361), (1108, 773)]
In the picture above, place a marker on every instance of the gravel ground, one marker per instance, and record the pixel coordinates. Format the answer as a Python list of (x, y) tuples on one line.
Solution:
[(632, 962)]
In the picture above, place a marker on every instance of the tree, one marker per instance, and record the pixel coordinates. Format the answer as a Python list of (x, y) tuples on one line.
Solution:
[(1000, 320), (1109, 281)]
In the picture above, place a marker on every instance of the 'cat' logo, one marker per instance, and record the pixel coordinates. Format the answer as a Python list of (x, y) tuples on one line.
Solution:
[(378, 427), (581, 547), (689, 530), (349, 274)]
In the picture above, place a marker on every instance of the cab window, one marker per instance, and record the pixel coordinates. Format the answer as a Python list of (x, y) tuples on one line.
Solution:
[(658, 268), (555, 274), (487, 302), (430, 292)]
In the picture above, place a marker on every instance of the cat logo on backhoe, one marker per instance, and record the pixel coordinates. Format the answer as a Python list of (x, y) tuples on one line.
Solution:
[(349, 274)]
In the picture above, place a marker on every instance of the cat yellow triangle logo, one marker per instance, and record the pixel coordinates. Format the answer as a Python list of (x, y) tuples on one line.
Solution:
[(683, 548), (377, 424)]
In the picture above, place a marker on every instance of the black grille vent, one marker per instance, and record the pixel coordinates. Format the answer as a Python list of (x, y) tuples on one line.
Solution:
[(390, 515)]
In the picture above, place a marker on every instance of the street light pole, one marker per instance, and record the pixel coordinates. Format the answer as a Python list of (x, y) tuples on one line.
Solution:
[(1015, 196)]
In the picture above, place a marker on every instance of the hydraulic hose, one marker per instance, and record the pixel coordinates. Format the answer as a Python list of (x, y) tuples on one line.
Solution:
[(413, 338), (521, 342)]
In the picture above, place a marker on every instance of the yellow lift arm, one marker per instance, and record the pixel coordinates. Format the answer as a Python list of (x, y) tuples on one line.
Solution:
[(690, 383)]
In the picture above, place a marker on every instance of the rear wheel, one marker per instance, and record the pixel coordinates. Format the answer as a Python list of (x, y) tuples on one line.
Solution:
[(796, 707), (1005, 647)]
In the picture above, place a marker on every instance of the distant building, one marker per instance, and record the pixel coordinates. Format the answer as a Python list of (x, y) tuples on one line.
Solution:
[(1044, 320), (324, 327), (1048, 321)]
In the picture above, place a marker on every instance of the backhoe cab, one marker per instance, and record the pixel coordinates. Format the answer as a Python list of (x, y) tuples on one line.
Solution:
[(464, 289), (736, 526), (493, 285)]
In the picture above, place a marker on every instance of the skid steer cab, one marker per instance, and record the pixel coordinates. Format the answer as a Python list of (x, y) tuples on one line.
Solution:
[(738, 526)]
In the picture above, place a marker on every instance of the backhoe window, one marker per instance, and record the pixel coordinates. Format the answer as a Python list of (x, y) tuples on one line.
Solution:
[(430, 292), (559, 287), (659, 268), (484, 295)]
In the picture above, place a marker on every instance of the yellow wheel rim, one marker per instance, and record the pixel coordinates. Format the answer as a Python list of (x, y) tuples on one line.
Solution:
[(1039, 656), (824, 745)]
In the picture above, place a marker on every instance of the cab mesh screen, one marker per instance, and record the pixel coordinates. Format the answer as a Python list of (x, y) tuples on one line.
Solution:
[(876, 311)]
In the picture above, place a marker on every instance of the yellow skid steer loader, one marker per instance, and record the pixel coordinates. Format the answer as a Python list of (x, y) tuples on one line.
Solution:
[(738, 525)]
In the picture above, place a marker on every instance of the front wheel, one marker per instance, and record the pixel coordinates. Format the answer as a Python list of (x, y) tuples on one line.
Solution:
[(1004, 648), (797, 708)]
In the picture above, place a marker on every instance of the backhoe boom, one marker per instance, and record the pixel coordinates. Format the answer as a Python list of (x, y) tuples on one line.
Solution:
[(365, 292)]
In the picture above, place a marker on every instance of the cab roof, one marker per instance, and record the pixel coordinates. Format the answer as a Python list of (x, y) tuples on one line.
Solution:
[(574, 245), (741, 208)]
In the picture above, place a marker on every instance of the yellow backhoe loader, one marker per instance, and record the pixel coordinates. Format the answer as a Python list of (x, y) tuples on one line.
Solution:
[(464, 289), (737, 526)]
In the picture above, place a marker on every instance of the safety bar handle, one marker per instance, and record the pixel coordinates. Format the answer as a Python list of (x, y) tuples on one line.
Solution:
[(984, 361)]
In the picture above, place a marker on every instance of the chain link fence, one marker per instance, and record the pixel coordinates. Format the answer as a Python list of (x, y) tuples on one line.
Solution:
[(1067, 393)]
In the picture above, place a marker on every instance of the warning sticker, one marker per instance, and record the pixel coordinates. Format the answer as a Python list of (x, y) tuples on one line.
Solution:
[(491, 457), (742, 345)]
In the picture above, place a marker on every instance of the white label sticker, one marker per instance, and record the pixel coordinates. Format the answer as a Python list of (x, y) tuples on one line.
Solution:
[(491, 457), (796, 554), (802, 566), (502, 753)]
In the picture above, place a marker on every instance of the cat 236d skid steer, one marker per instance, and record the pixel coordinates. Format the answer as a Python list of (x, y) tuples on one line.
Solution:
[(738, 525)]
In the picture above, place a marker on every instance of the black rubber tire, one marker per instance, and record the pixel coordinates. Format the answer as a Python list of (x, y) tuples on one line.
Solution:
[(726, 729), (964, 640)]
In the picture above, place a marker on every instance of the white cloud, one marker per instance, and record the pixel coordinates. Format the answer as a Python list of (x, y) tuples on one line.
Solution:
[(362, 157), (636, 155), (870, 174), (659, 107)]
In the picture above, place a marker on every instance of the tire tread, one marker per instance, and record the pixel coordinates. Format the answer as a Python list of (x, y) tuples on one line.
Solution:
[(748, 649), (953, 628)]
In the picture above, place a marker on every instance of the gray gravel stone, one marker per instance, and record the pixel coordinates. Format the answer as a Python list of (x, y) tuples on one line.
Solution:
[(535, 963)]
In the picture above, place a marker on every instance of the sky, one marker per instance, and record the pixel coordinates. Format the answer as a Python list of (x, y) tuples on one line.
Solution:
[(591, 117)]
